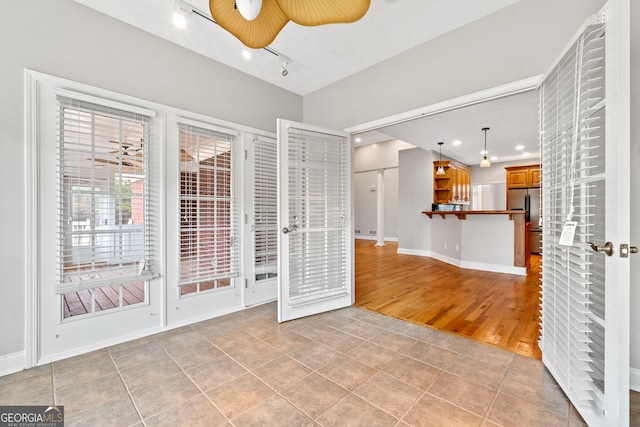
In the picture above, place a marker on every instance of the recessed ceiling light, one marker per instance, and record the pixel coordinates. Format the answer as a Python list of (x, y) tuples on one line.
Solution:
[(246, 54), (494, 158), (456, 142), (358, 139), (519, 147), (179, 20), (526, 153)]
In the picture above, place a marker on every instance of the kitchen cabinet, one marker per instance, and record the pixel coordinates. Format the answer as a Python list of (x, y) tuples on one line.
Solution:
[(523, 176), (454, 186)]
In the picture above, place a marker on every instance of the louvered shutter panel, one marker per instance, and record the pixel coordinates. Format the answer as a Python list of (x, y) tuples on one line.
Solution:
[(265, 206), (318, 258), (572, 109), (104, 202), (209, 212)]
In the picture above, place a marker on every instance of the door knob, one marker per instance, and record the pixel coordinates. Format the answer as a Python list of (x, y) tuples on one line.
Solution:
[(607, 248), (289, 229)]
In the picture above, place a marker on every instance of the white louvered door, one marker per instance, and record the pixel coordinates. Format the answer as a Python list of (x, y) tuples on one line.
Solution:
[(262, 219), (585, 179), (315, 245)]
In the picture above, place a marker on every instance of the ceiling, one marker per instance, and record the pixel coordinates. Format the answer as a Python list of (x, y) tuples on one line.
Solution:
[(512, 121), (319, 56)]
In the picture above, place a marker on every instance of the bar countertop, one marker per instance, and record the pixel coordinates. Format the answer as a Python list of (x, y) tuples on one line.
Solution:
[(463, 214)]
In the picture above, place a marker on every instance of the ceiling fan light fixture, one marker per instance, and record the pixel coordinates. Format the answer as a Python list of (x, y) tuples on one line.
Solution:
[(249, 9), (485, 163)]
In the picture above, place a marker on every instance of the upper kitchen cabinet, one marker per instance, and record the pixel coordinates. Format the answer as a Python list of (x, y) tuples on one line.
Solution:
[(523, 176), (454, 186)]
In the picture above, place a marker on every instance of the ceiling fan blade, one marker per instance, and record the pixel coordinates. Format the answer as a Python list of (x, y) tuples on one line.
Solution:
[(185, 157), (314, 12), (255, 34)]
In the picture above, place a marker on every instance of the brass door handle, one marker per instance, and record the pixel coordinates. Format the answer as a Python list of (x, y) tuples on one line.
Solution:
[(607, 248)]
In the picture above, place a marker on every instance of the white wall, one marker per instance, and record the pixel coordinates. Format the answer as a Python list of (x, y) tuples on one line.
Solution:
[(415, 195), (517, 42), (367, 159), (66, 39)]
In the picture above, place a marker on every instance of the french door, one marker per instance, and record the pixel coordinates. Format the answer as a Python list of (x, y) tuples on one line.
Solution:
[(585, 181), (315, 242)]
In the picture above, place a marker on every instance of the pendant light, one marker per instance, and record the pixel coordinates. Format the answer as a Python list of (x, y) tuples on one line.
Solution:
[(485, 161), (440, 170)]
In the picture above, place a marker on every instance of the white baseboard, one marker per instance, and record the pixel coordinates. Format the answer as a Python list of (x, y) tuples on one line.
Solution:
[(634, 379), (12, 363), (386, 239), (404, 251)]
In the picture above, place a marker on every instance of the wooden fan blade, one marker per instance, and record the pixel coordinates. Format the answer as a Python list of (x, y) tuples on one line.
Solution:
[(112, 162), (255, 34), (185, 157), (316, 12)]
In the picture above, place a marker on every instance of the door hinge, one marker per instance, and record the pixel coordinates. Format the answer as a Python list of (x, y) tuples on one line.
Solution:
[(246, 283), (246, 154), (246, 219)]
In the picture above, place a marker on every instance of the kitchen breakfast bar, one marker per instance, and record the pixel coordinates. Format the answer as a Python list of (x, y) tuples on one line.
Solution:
[(481, 240)]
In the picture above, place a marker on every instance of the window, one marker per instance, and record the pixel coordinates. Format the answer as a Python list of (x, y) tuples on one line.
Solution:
[(209, 225), (265, 208), (103, 222)]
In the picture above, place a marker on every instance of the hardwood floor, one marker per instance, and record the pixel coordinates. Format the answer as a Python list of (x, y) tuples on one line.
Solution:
[(494, 308)]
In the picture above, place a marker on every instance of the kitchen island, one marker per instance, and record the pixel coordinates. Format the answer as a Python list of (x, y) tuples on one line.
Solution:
[(481, 240)]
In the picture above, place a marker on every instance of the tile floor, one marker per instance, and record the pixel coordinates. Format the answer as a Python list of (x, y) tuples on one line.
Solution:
[(349, 367)]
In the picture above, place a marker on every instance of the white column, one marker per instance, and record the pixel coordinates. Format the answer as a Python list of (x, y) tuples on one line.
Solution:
[(380, 209)]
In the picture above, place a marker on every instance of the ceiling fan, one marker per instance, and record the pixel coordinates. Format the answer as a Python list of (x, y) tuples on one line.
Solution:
[(256, 23), (123, 156)]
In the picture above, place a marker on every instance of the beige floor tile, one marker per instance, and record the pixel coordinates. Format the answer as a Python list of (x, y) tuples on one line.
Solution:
[(141, 355), (537, 391), (358, 413), (281, 372), (372, 355), (340, 341), (34, 390), (575, 419), (511, 412), (115, 412), (449, 341), (411, 330), (261, 328), (361, 329), (388, 393), (94, 355), (226, 338), (312, 330), (334, 319), (145, 374), (198, 354), (430, 411), (77, 397), (287, 341), (353, 312), (219, 372), (81, 371), (158, 397), (181, 342), (274, 411), (347, 372), (25, 374), (488, 354), (239, 394), (315, 355), (431, 354), (393, 341), (125, 346), (381, 321), (466, 394), (173, 332), (478, 371), (412, 372), (314, 394), (195, 412), (254, 354)]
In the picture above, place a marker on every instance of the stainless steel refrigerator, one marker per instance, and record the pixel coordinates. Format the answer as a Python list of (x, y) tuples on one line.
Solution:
[(528, 199)]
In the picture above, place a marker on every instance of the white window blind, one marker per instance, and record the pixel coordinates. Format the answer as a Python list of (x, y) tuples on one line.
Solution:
[(572, 109), (103, 206), (317, 209), (209, 212), (265, 208)]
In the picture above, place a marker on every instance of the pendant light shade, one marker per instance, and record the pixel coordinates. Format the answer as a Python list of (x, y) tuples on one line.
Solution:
[(440, 171), (485, 163), (256, 23), (249, 9)]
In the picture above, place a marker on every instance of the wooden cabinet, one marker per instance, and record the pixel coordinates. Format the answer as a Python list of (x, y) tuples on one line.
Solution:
[(523, 176), (454, 186)]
